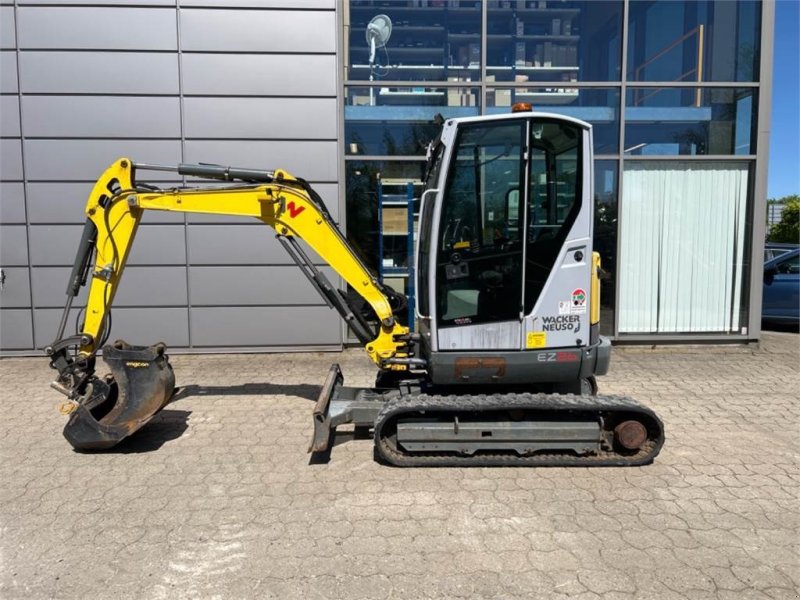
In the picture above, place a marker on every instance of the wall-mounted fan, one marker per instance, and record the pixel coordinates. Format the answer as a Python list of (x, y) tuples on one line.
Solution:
[(378, 31)]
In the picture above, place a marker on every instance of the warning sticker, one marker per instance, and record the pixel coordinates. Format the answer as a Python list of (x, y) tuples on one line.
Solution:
[(536, 339), (578, 306)]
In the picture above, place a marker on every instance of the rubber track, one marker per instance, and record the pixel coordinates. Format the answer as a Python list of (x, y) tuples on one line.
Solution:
[(388, 450)]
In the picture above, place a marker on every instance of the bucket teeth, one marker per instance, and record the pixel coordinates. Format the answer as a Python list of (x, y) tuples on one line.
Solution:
[(141, 384)]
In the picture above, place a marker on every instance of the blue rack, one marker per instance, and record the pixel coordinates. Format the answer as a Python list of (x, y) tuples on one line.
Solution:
[(404, 199)]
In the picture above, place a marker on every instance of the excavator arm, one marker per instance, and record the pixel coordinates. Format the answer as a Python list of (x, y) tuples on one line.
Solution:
[(287, 204)]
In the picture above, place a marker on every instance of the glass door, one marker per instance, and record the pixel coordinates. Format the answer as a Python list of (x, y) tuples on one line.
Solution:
[(480, 243)]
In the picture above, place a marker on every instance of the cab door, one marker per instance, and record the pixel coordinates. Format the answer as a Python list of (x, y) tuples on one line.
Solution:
[(480, 243)]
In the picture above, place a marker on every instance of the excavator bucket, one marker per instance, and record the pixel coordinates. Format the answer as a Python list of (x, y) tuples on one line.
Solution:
[(141, 383)]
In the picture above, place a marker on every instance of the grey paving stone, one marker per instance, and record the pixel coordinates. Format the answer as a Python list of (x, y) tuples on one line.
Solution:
[(216, 497)]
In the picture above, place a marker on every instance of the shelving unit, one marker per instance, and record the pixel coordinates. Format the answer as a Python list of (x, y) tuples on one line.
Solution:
[(531, 41), (396, 221), (527, 41), (431, 39), (531, 55)]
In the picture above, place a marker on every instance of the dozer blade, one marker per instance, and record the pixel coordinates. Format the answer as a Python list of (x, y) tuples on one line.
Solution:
[(141, 383)]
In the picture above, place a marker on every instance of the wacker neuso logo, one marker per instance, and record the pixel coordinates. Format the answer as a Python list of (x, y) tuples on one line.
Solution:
[(562, 323)]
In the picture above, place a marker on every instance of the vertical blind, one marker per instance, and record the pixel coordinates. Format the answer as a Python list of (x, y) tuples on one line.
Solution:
[(682, 236)]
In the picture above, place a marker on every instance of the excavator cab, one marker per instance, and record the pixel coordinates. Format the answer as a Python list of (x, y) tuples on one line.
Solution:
[(505, 263)]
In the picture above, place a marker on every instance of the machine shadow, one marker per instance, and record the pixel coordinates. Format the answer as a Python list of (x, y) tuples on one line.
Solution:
[(167, 425), (302, 390), (170, 424), (338, 438)]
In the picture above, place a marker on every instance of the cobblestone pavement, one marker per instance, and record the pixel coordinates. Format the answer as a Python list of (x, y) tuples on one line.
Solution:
[(216, 497)]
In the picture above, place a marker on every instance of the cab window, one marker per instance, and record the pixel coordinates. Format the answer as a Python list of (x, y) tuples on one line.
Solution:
[(479, 264), (554, 200)]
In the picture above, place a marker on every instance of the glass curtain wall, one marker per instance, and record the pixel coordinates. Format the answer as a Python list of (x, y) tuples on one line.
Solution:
[(666, 84), (690, 93)]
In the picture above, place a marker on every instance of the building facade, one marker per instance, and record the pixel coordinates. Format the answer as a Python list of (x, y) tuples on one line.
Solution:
[(678, 93)]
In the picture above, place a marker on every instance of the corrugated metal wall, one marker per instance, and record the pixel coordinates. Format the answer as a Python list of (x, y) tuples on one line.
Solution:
[(243, 82)]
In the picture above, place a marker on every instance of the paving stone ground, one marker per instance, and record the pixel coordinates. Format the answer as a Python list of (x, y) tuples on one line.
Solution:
[(216, 497)]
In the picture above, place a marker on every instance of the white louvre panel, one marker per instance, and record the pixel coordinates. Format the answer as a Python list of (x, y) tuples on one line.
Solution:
[(682, 237)]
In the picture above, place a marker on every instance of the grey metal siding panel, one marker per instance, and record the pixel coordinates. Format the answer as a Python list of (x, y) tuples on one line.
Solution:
[(46, 323), (234, 244), (99, 72), (118, 28), (9, 116), (87, 104), (8, 37), (63, 203), (258, 31), (141, 286), (16, 331), (156, 217), (13, 246), (100, 2), (50, 284), (11, 160), (201, 218), (216, 286), (55, 245), (101, 117), (260, 118), (150, 325), (300, 4), (134, 325), (258, 74), (159, 245), (16, 290), (12, 203), (85, 160), (311, 160), (8, 72), (265, 326), (57, 202)]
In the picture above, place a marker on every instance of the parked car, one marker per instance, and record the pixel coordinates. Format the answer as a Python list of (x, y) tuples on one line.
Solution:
[(781, 302), (776, 249)]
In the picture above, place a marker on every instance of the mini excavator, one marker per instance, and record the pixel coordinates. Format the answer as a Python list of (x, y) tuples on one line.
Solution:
[(501, 368)]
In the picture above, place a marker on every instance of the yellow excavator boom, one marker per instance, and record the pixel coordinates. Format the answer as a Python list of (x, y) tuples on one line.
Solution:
[(116, 206)]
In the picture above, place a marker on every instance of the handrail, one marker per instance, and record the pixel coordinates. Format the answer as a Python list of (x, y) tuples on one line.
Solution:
[(698, 69)]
